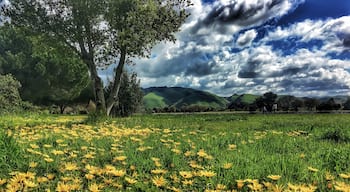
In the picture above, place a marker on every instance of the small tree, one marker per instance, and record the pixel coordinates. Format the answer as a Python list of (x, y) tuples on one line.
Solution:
[(130, 99), (10, 99)]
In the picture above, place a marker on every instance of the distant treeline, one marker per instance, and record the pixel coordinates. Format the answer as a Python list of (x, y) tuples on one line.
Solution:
[(268, 102)]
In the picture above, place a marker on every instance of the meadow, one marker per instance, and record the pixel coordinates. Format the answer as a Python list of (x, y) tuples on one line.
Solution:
[(183, 152)]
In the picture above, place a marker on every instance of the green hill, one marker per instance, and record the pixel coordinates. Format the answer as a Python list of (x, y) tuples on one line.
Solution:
[(244, 98), (160, 97)]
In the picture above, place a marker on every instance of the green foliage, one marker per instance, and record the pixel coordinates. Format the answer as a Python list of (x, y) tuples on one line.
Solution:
[(10, 99), (48, 72), (100, 31), (130, 96)]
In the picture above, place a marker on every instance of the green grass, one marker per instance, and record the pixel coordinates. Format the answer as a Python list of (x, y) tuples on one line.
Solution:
[(289, 145)]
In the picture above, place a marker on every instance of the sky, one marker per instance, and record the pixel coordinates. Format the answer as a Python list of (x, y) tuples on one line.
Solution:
[(226, 47), (297, 47)]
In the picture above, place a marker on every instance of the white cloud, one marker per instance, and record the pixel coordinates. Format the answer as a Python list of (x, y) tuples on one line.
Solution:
[(247, 38), (202, 57)]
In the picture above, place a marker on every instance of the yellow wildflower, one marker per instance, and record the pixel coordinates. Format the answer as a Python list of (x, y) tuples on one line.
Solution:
[(2, 181), (159, 171), (344, 176), (94, 187), (89, 176), (232, 147), (342, 186), (202, 153), (220, 187), (42, 179), (33, 164), (188, 153), (57, 152), (119, 158), (329, 176), (186, 174), (227, 166), (274, 177), (30, 184), (130, 180), (34, 146), (118, 173), (50, 176), (203, 173), (62, 187), (312, 169), (240, 184), (159, 181), (187, 182), (70, 166), (89, 156)]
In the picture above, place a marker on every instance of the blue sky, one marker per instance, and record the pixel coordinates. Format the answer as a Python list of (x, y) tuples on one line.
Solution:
[(298, 47)]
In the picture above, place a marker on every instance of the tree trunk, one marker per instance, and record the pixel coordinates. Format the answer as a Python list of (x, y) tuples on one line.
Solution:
[(62, 108), (113, 96), (98, 91)]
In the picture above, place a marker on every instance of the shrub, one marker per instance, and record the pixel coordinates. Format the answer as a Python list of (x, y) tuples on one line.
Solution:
[(10, 99)]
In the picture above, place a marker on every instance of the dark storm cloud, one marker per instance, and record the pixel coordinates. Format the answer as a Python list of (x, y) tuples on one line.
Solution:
[(200, 68), (346, 41), (240, 14), (249, 69), (244, 14)]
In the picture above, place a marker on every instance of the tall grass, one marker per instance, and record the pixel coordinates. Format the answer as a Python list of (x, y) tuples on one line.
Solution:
[(218, 151)]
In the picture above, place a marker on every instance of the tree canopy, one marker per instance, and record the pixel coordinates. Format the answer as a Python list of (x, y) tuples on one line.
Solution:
[(47, 71), (101, 31)]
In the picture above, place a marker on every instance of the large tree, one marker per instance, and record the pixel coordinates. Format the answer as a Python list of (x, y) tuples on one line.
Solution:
[(101, 31), (47, 71)]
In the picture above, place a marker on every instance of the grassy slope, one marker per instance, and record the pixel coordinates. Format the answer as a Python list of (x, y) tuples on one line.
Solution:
[(245, 98), (177, 96), (152, 100)]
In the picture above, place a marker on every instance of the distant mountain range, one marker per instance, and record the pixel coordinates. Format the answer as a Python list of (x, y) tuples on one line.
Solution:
[(160, 97)]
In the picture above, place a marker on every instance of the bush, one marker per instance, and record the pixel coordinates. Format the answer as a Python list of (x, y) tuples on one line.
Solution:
[(10, 100)]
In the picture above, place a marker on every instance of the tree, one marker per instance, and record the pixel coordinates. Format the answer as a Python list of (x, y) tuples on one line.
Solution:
[(130, 99), (10, 99), (288, 102), (311, 103), (347, 104), (47, 71), (101, 31), (267, 100), (328, 105)]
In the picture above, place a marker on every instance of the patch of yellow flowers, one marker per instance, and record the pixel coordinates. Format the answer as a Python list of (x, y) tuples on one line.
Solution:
[(78, 171)]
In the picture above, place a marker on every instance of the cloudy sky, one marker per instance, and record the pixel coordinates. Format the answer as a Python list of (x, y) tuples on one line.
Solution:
[(299, 47)]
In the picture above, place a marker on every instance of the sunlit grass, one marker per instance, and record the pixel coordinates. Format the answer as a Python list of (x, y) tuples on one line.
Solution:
[(176, 153)]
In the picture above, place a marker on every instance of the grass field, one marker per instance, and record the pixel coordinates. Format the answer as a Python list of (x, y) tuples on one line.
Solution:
[(187, 152)]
